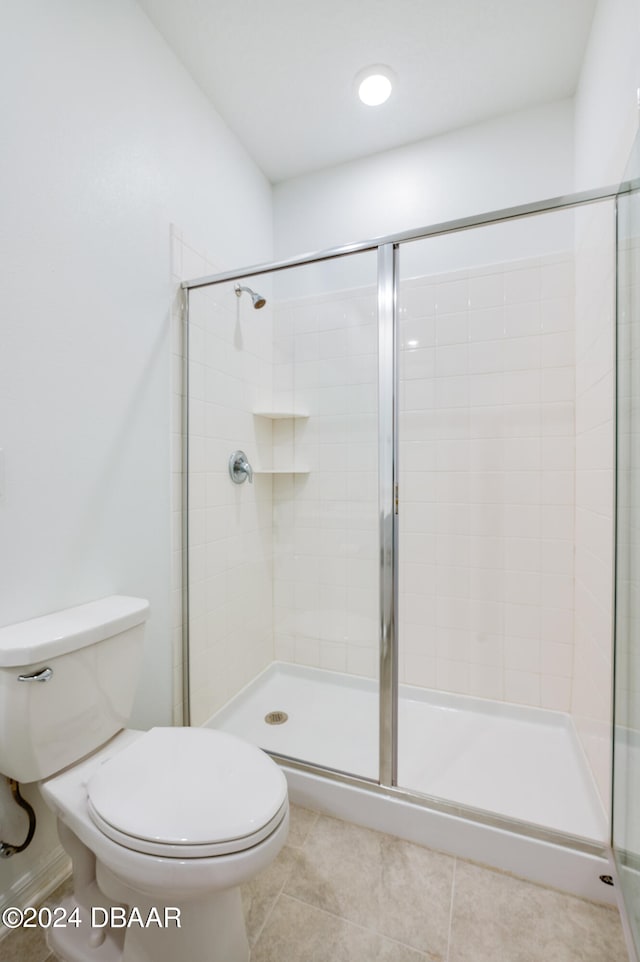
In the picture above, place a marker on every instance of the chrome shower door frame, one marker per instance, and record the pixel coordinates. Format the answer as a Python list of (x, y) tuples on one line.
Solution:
[(388, 253), (388, 510)]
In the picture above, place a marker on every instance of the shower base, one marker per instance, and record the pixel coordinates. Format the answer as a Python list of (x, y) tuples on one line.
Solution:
[(512, 762)]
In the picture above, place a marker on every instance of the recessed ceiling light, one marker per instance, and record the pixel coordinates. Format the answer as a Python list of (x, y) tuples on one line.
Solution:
[(374, 84)]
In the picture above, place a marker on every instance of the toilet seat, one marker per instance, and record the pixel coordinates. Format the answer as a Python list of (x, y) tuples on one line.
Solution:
[(187, 793)]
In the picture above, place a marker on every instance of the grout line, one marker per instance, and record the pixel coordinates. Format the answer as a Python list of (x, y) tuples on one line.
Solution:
[(428, 956), (453, 891), (270, 912), (311, 828), (268, 916), (280, 892)]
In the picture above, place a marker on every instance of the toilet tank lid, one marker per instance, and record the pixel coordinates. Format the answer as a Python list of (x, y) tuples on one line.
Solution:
[(35, 640)]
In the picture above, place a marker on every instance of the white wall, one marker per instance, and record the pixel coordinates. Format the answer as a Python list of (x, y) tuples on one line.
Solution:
[(107, 141), (606, 105), (511, 160)]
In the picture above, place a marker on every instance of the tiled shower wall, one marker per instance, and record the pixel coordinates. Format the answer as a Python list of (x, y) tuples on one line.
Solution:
[(325, 520), (486, 491), (487, 481), (595, 310), (230, 545)]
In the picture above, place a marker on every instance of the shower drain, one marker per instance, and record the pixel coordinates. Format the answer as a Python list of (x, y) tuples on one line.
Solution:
[(276, 717)]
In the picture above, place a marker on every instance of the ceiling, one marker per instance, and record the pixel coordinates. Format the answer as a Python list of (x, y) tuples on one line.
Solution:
[(281, 72)]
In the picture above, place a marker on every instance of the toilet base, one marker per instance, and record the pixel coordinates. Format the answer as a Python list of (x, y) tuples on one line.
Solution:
[(82, 942), (210, 929)]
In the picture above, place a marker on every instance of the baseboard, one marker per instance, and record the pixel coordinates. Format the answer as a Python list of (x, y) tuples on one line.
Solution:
[(34, 887)]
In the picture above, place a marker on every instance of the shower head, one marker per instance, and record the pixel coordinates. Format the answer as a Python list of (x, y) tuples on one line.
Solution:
[(258, 299)]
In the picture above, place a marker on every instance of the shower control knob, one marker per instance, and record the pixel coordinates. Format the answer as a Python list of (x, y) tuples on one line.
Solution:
[(239, 468)]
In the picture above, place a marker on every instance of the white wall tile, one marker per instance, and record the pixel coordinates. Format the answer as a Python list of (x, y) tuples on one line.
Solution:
[(522, 654), (452, 295), (557, 314), (485, 357), (452, 328), (486, 290), (522, 387), (486, 389), (522, 319), (558, 384), (451, 359), (521, 354), (558, 350), (556, 660), (486, 324), (522, 285), (557, 279), (555, 693), (522, 687), (486, 681)]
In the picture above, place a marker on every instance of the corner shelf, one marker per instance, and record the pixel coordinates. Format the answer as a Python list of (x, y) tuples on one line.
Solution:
[(280, 415)]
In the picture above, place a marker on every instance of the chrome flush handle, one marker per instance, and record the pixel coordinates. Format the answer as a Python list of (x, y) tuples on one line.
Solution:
[(45, 674)]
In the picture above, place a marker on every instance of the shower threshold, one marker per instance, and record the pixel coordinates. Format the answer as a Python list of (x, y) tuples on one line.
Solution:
[(510, 761)]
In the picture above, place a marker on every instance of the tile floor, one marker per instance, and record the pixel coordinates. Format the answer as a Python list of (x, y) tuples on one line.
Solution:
[(340, 893)]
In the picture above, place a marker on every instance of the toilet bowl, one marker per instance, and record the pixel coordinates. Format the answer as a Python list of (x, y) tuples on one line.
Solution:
[(162, 827), (170, 816)]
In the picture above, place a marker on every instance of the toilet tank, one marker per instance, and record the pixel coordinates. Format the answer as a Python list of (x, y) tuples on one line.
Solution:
[(67, 683)]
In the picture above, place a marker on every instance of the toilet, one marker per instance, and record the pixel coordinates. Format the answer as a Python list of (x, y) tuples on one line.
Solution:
[(162, 826)]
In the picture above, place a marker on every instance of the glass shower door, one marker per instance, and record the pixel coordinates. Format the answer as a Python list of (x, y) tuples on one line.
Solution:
[(489, 488), (284, 570)]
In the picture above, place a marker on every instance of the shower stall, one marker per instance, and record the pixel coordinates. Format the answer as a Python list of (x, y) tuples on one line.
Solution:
[(409, 600)]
